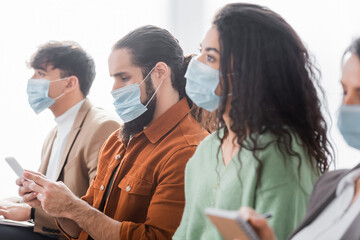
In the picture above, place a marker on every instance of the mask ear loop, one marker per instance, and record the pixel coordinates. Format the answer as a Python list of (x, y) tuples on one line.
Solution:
[(147, 75), (58, 80), (155, 90), (154, 93)]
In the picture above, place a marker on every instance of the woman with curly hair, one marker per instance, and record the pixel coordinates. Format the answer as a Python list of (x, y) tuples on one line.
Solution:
[(334, 206), (271, 144)]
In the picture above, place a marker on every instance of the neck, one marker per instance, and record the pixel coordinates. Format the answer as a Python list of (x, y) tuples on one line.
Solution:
[(166, 98), (65, 103), (231, 135), (230, 146), (357, 190)]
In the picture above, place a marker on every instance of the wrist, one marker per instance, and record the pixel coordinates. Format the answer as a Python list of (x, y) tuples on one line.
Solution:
[(75, 208), (26, 212)]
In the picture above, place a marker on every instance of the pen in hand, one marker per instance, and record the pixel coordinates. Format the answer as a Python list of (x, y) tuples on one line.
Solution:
[(266, 215)]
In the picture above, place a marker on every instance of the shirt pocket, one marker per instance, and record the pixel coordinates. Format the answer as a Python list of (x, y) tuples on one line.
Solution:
[(134, 185), (136, 195)]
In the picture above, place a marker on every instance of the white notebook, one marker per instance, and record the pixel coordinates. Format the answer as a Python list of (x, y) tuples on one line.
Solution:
[(15, 223), (230, 224)]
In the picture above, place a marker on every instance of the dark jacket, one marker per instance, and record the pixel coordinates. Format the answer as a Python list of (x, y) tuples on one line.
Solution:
[(323, 193)]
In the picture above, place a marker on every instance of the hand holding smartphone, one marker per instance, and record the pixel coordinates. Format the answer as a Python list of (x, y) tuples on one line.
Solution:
[(16, 167)]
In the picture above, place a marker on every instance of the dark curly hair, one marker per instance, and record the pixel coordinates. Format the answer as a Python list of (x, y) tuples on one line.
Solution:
[(273, 83)]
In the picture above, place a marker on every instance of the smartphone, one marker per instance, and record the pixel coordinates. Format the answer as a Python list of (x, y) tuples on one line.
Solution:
[(14, 164), (231, 225)]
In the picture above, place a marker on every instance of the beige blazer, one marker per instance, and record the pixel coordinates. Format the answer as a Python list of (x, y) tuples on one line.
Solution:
[(91, 128)]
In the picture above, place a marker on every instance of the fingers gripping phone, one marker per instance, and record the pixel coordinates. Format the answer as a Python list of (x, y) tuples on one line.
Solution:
[(16, 167)]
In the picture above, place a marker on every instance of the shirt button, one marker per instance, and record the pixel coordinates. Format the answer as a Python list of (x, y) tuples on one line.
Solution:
[(102, 187), (117, 157), (128, 188)]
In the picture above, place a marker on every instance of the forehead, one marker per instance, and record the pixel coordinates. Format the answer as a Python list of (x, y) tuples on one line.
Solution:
[(211, 39), (49, 69), (351, 71), (120, 61)]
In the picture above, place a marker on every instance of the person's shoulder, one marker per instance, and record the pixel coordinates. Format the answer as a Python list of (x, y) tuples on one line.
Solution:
[(271, 144), (207, 146), (289, 163), (191, 130), (332, 177), (99, 124), (325, 184), (99, 119), (100, 115), (211, 139), (187, 133)]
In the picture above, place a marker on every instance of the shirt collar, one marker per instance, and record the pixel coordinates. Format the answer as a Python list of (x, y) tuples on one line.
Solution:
[(167, 121), (66, 120), (348, 180)]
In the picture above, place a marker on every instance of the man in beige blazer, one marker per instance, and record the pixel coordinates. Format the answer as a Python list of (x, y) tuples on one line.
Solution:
[(63, 76)]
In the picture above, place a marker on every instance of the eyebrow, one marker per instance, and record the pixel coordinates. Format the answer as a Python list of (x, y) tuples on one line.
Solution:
[(118, 74), (208, 49), (41, 68), (357, 88)]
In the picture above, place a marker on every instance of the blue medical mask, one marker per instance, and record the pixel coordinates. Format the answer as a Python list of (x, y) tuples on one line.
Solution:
[(349, 124), (201, 83), (127, 101), (38, 94)]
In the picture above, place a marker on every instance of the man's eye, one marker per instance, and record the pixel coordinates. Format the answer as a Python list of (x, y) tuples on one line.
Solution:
[(125, 79), (344, 93)]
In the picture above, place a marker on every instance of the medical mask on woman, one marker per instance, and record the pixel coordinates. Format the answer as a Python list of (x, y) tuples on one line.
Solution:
[(38, 94), (127, 101), (201, 83), (349, 124)]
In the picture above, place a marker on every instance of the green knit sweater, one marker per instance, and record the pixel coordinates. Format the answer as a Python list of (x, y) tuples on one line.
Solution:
[(209, 183)]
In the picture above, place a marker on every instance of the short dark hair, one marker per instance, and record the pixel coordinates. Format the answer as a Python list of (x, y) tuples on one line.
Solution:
[(354, 48), (70, 58)]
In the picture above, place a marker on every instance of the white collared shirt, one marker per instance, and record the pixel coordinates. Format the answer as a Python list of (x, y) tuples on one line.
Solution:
[(337, 217), (64, 125)]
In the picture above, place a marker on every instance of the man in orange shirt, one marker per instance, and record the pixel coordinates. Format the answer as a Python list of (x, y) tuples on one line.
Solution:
[(138, 192)]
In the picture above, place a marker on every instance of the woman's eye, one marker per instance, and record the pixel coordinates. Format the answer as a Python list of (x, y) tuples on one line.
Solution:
[(210, 58)]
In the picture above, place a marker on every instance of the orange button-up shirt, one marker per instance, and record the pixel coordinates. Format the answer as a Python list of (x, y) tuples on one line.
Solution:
[(147, 194)]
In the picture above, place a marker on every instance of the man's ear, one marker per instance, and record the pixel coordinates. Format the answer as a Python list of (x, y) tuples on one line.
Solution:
[(161, 72), (72, 83)]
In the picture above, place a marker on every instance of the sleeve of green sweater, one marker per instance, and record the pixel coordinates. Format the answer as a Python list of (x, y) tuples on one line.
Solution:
[(284, 189)]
